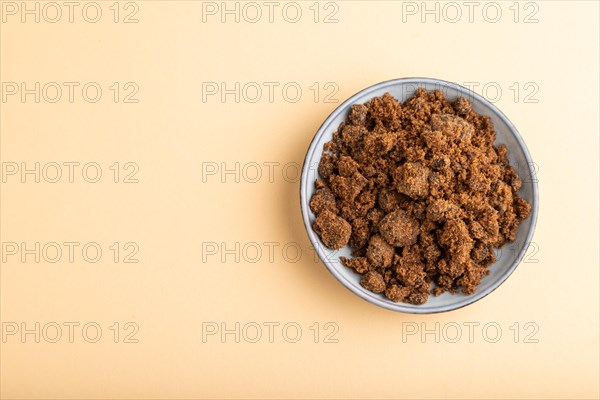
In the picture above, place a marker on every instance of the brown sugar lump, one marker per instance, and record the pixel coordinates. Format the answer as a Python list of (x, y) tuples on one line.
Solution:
[(455, 238), (373, 281), (412, 179), (399, 229), (359, 264), (420, 193), (397, 293), (334, 231), (439, 210), (379, 252), (322, 200), (358, 114), (452, 127), (522, 207)]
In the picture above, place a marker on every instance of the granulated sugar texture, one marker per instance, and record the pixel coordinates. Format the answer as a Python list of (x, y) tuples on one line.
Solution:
[(420, 193)]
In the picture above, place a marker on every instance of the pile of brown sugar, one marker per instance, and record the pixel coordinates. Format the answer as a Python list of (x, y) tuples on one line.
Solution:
[(420, 193)]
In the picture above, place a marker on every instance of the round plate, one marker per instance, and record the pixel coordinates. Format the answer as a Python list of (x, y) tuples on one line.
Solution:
[(508, 257)]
